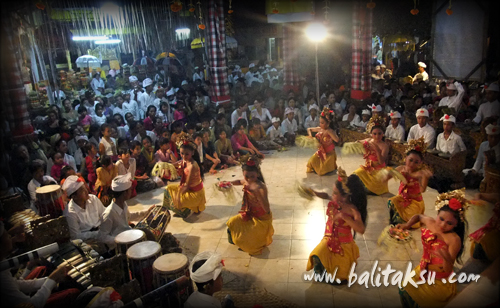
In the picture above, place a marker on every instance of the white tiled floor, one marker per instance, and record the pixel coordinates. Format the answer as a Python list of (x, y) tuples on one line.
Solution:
[(299, 226)]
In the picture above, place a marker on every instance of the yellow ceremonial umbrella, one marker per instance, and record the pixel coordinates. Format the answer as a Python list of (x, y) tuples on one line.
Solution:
[(196, 43), (164, 55)]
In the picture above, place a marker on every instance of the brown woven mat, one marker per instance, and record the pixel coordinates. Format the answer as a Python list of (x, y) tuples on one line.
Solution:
[(248, 295)]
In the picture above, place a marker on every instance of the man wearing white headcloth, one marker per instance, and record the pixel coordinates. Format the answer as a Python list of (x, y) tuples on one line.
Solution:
[(448, 141), (198, 74), (422, 74), (134, 87), (117, 216), (491, 108), (249, 78), (205, 270), (423, 129), (395, 130), (455, 93), (148, 97), (84, 211)]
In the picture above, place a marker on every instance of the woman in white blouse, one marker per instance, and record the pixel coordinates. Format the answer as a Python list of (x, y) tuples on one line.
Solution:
[(262, 114), (352, 117)]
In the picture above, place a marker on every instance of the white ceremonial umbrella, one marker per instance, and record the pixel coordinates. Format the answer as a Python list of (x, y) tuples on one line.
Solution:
[(88, 61)]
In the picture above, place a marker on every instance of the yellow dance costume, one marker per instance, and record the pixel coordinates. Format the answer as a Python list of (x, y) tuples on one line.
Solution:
[(487, 238), (437, 294), (368, 172), (325, 159), (407, 203), (252, 229), (192, 200), (337, 249)]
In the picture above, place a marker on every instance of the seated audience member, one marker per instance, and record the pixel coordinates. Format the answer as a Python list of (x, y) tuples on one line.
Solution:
[(200, 112), (239, 112), (142, 132), (224, 149), (62, 147), (144, 183), (31, 292), (289, 126), (37, 170), (205, 271), (178, 133), (107, 145), (275, 133), (365, 118), (205, 127), (241, 144), (220, 125), (210, 158), (312, 120), (55, 171), (105, 175), (116, 218), (258, 136), (448, 141), (488, 154), (491, 108), (80, 153), (423, 129), (261, 113), (395, 130), (90, 167), (84, 211), (455, 93)]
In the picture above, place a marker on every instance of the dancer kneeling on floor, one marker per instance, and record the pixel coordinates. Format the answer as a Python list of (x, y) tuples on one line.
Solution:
[(252, 229), (205, 270), (376, 152), (189, 195), (443, 243), (346, 211), (325, 159), (409, 200)]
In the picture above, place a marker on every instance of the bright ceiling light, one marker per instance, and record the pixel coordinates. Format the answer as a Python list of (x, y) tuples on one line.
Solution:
[(183, 31), (107, 42), (89, 38), (316, 32)]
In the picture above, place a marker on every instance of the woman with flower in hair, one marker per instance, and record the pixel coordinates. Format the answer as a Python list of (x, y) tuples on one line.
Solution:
[(409, 201), (252, 229), (189, 195), (325, 159), (346, 212), (376, 152), (443, 242)]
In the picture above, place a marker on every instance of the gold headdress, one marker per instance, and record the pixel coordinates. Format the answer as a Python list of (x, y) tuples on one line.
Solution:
[(375, 120), (185, 139), (418, 145), (455, 200), (342, 178)]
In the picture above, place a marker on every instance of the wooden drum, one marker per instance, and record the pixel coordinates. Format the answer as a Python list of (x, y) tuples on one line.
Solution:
[(49, 201), (141, 258), (128, 238), (169, 267)]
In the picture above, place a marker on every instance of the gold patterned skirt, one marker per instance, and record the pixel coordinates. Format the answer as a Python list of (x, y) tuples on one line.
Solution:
[(332, 261), (436, 295), (251, 235), (320, 166), (403, 213), (372, 181), (190, 201)]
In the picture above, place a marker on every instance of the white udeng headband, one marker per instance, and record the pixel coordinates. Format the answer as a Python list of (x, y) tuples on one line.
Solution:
[(210, 270)]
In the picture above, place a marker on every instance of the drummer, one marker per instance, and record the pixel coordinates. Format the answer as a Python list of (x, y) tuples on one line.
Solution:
[(205, 271), (84, 211), (116, 217)]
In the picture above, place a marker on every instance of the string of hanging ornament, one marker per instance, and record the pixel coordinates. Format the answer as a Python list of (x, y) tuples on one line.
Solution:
[(414, 11), (229, 20), (326, 10)]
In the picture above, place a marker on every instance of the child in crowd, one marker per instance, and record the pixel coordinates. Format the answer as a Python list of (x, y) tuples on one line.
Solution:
[(252, 228), (258, 136), (105, 174), (99, 118), (240, 142), (224, 150), (178, 133), (190, 130), (365, 117), (395, 131), (164, 113), (205, 127), (289, 127), (220, 125), (279, 111), (59, 163), (144, 183), (150, 118), (94, 134), (84, 120), (274, 132), (312, 120), (148, 151), (91, 165), (297, 114), (62, 147), (80, 153), (164, 159), (189, 195), (210, 158), (107, 145), (180, 113), (37, 170), (198, 140)]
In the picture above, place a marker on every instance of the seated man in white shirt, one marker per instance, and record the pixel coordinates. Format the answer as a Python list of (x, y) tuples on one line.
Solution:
[(205, 270), (116, 217), (312, 120), (16, 292), (84, 211), (422, 74), (422, 129), (451, 143), (395, 130), (455, 93), (475, 175), (491, 108)]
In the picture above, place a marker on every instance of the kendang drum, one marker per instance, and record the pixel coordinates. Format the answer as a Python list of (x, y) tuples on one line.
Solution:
[(141, 258), (49, 201), (168, 268), (155, 223), (128, 238)]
